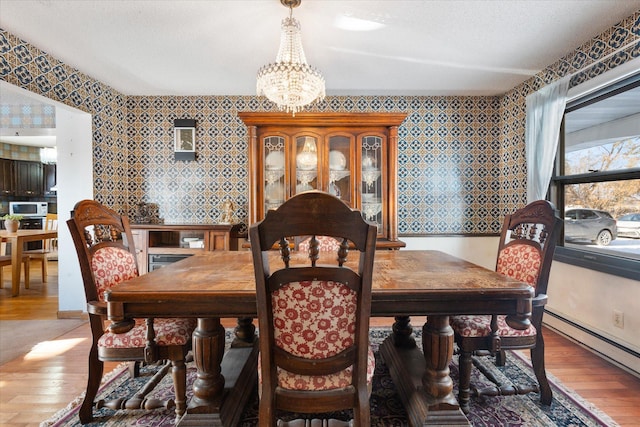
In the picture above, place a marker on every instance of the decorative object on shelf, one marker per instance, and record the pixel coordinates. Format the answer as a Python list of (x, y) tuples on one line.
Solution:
[(226, 217), (368, 163), (337, 175), (146, 213), (290, 82), (337, 160), (184, 139), (274, 161), (371, 210), (48, 155), (307, 159), (305, 177), (369, 176), (12, 222)]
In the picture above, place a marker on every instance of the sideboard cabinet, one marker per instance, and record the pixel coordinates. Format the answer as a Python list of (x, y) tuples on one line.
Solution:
[(161, 244), (350, 155)]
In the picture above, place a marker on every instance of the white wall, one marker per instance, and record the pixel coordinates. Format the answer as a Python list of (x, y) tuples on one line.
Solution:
[(75, 182), (582, 296), (74, 140)]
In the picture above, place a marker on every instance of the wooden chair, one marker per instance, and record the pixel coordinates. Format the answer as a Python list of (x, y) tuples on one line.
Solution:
[(106, 253), (314, 319), (49, 247), (5, 260), (525, 252)]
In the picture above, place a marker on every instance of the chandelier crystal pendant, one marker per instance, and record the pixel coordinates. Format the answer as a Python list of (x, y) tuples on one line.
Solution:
[(290, 82)]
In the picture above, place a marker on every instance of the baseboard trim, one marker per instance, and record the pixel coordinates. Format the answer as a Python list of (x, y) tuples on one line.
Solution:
[(73, 314), (623, 357)]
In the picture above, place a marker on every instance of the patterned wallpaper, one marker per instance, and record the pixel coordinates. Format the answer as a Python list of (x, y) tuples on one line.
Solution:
[(461, 159)]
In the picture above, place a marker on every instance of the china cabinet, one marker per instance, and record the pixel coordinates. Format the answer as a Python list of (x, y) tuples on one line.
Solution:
[(350, 155)]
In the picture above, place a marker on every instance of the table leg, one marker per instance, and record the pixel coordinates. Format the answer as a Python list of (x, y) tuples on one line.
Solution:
[(208, 350), (224, 380), (422, 377), (16, 263)]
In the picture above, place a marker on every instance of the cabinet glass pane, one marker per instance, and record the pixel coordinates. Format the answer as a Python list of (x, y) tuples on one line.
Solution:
[(371, 179), (339, 164), (306, 164), (274, 165)]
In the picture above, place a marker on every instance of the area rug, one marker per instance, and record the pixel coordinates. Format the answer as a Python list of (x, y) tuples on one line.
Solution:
[(567, 408)]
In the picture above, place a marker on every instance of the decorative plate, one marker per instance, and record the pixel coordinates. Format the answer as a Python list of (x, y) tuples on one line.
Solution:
[(274, 160), (337, 160)]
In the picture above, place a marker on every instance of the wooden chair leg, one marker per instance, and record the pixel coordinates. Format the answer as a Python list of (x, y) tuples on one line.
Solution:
[(96, 368), (179, 374), (27, 268), (464, 392), (537, 360)]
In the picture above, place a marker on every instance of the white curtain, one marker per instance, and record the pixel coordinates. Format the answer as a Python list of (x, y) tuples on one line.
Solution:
[(542, 131)]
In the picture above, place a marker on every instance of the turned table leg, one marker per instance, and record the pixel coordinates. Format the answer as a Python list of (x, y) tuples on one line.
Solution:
[(208, 350), (437, 346)]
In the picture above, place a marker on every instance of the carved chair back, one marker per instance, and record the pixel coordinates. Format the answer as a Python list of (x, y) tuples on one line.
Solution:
[(313, 318), (527, 243)]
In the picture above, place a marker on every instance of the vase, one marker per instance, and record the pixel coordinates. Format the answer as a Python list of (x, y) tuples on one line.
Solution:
[(11, 225)]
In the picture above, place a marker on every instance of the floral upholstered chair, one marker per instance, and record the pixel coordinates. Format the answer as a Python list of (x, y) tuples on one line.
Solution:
[(314, 319), (107, 257), (525, 252)]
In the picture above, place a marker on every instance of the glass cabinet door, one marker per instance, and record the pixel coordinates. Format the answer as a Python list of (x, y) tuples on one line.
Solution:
[(371, 179), (274, 171), (340, 168), (306, 155)]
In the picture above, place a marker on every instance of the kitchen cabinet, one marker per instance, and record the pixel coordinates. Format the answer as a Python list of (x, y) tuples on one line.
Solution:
[(49, 179), (28, 178), (6, 177), (160, 244), (350, 155)]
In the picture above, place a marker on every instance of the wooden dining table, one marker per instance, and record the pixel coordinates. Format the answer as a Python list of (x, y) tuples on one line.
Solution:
[(17, 241), (220, 284)]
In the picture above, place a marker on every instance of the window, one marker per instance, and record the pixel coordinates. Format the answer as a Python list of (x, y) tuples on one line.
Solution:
[(596, 186)]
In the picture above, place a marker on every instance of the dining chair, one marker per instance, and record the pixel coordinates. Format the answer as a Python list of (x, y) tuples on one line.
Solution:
[(49, 248), (107, 257), (5, 260), (527, 243), (313, 318)]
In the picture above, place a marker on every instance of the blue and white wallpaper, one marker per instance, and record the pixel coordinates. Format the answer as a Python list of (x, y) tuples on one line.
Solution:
[(461, 159)]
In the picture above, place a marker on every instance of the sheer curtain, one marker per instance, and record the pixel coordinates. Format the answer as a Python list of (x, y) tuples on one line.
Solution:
[(542, 131)]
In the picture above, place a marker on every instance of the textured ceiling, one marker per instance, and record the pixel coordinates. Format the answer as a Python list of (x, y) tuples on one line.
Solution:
[(215, 47)]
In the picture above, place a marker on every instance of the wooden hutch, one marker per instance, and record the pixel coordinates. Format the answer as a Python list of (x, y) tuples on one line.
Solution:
[(351, 155)]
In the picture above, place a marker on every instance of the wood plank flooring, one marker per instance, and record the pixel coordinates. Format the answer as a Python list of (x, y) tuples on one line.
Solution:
[(35, 386)]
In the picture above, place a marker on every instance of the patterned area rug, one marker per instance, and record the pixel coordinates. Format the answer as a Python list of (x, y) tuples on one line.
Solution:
[(567, 408)]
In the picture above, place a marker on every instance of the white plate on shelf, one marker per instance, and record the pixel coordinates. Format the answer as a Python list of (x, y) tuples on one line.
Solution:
[(274, 160), (337, 160)]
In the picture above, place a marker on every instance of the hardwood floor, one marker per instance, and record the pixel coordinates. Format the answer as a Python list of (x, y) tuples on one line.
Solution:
[(35, 386)]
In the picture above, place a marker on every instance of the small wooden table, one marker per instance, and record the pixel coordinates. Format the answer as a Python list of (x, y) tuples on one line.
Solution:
[(215, 285), (17, 241)]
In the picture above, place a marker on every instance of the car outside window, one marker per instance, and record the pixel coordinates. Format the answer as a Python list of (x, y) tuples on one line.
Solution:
[(597, 179)]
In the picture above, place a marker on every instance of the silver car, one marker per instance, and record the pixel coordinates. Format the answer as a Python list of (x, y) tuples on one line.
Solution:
[(629, 225), (590, 224)]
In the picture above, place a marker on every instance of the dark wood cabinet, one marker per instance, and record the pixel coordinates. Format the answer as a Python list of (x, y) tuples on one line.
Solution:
[(6, 178), (350, 155), (28, 179), (49, 175)]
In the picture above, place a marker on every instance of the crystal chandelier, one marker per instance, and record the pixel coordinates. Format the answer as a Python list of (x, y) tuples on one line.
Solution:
[(290, 82)]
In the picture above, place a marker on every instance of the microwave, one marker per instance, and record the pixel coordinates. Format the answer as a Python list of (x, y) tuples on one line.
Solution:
[(28, 209)]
